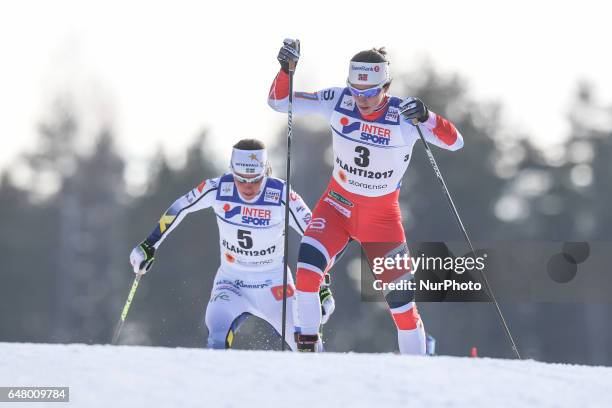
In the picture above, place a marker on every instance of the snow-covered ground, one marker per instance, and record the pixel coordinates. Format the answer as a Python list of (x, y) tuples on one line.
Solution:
[(128, 376)]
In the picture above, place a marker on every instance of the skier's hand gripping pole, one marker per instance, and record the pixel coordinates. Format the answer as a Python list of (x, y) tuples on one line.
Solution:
[(289, 54), (141, 259)]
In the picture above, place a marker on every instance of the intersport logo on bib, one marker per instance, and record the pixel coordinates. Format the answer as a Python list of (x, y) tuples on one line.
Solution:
[(252, 216), (370, 132)]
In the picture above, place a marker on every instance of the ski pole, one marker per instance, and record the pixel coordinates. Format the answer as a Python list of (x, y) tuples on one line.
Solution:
[(432, 160), (292, 65), (126, 309)]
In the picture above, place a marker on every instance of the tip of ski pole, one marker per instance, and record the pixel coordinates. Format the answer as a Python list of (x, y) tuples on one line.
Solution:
[(473, 352)]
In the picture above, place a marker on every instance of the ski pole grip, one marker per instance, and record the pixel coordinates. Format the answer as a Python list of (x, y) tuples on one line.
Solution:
[(293, 64)]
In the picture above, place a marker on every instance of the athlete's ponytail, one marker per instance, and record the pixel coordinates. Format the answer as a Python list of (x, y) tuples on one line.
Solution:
[(371, 55)]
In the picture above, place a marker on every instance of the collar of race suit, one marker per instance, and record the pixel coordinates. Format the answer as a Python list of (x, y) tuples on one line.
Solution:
[(378, 112)]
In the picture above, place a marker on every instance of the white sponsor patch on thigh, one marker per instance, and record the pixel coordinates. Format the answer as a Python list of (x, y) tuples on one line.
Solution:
[(344, 211)]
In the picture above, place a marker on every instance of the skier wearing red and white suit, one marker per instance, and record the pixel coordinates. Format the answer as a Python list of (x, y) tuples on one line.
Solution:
[(373, 134)]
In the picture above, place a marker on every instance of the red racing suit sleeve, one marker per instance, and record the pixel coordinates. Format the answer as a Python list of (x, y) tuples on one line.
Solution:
[(436, 130), (320, 103)]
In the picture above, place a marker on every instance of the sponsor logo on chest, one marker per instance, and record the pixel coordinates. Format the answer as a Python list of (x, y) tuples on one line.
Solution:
[(368, 132), (248, 215), (348, 102), (227, 189), (392, 115), (272, 195)]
